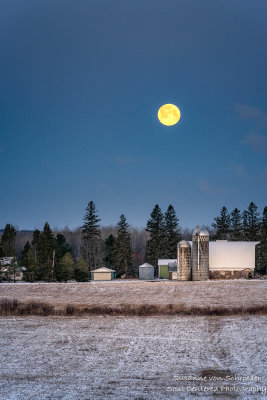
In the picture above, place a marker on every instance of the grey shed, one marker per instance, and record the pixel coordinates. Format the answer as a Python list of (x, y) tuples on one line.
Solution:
[(146, 272)]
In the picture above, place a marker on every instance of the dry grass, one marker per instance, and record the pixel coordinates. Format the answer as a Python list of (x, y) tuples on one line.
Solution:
[(13, 307)]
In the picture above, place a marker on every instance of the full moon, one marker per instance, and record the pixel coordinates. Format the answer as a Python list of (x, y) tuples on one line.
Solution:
[(169, 114)]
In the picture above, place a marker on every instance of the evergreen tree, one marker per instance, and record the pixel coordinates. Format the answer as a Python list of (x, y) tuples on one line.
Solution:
[(155, 246), (36, 243), (245, 226), (91, 237), (25, 250), (109, 251), (253, 222), (172, 232), (123, 262), (222, 225), (65, 270), (30, 265), (61, 248), (236, 225), (261, 248), (46, 254), (81, 273), (7, 244)]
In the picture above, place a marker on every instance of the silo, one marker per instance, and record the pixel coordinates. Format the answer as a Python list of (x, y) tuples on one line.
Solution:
[(200, 250), (146, 272), (184, 261)]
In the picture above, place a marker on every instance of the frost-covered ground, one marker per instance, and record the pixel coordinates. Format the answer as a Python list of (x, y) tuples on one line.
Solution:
[(208, 293), (122, 358)]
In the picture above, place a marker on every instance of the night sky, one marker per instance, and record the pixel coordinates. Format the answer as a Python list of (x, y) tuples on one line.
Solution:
[(80, 86)]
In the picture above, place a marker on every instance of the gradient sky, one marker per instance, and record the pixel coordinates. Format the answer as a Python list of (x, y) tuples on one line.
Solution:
[(80, 86)]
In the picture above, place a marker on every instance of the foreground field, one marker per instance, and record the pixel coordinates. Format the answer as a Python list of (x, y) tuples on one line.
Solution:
[(234, 293), (123, 358)]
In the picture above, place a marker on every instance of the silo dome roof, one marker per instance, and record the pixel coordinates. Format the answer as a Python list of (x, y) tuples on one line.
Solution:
[(201, 232), (183, 243)]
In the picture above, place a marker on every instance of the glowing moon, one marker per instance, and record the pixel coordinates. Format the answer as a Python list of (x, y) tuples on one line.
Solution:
[(169, 114)]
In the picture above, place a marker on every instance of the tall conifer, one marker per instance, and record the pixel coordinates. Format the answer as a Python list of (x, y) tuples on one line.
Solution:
[(91, 247), (236, 225), (155, 246), (172, 233), (123, 255), (222, 225)]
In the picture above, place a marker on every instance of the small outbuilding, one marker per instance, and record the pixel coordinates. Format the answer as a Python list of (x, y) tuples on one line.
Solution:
[(146, 272), (103, 274)]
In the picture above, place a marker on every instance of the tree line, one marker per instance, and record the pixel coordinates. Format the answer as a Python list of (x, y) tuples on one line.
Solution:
[(56, 256)]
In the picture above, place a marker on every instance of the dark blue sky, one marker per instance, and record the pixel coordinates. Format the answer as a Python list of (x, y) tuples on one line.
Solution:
[(80, 86)]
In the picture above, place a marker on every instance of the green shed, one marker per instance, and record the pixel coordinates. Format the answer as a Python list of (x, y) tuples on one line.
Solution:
[(164, 268)]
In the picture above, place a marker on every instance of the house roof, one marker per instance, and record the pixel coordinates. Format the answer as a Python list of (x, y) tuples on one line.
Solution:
[(103, 269)]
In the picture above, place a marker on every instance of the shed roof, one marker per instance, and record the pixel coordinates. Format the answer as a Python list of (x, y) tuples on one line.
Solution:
[(166, 261), (103, 269)]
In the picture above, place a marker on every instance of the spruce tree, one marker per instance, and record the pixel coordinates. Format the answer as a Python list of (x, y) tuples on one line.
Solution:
[(7, 244), (61, 248), (65, 271), (261, 248), (172, 233), (222, 225), (236, 228), (253, 222), (81, 273), (30, 265), (46, 254), (245, 225), (36, 243), (24, 252), (109, 251), (155, 246), (123, 256), (91, 237)]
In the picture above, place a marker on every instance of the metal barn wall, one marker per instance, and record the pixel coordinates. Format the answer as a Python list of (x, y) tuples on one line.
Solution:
[(231, 255)]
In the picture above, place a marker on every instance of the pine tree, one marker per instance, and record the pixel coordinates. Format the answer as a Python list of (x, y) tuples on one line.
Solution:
[(253, 222), (36, 243), (24, 252), (91, 237), (123, 254), (155, 246), (222, 225), (261, 248), (173, 234), (81, 273), (7, 244), (46, 254), (109, 251), (236, 228), (245, 226), (65, 271), (61, 248), (30, 265)]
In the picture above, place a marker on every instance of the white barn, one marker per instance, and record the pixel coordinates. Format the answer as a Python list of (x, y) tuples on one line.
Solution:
[(231, 256), (228, 259)]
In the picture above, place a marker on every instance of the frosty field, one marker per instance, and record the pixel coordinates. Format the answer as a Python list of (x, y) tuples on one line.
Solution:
[(141, 358), (135, 358), (232, 293)]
